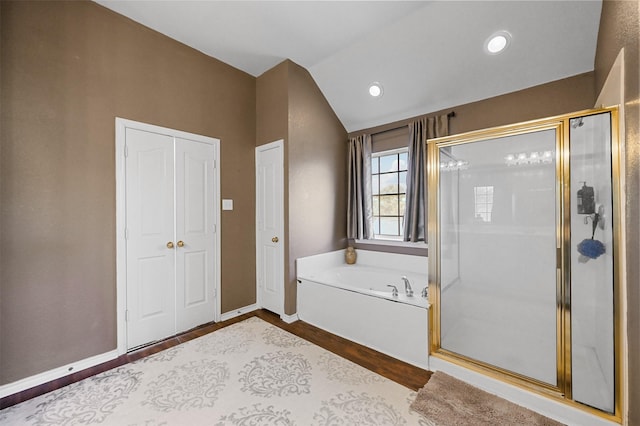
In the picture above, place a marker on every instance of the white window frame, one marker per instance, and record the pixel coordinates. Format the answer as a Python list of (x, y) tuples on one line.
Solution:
[(384, 239)]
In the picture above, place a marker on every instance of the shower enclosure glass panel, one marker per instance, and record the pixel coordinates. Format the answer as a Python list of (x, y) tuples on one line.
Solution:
[(525, 234), (592, 332), (497, 247)]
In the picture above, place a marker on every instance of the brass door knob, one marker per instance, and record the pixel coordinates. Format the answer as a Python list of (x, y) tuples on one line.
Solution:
[(170, 244), (274, 239), (180, 244)]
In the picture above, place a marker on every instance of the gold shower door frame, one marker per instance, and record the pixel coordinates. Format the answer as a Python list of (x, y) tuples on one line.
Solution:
[(561, 124)]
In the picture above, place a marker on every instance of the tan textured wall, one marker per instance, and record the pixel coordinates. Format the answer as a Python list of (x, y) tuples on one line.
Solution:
[(317, 176), (67, 70), (620, 27), (290, 106), (272, 105), (272, 117), (546, 100)]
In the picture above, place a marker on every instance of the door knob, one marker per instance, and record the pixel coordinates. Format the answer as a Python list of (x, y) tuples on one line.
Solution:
[(180, 244), (274, 239), (170, 244)]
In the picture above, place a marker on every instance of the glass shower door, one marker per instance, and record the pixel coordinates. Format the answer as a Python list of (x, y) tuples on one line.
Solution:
[(592, 262), (525, 237), (498, 221)]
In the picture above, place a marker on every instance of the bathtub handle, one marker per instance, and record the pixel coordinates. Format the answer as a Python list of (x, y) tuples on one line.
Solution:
[(407, 287), (394, 292)]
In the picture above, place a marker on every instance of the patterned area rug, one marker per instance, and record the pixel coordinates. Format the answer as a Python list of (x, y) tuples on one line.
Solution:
[(448, 401), (250, 373)]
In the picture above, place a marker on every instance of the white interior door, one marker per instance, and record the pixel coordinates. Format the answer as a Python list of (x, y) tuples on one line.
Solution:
[(168, 244), (150, 237), (195, 234), (270, 226)]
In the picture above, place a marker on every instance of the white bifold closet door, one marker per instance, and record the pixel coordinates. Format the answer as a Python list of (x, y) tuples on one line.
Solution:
[(170, 235)]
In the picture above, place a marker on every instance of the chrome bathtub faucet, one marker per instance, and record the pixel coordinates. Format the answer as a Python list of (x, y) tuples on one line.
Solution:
[(407, 287), (394, 291)]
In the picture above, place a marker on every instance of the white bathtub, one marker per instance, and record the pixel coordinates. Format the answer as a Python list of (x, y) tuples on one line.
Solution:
[(354, 302)]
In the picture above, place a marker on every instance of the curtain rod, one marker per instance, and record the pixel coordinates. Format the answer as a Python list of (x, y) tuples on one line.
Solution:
[(452, 114)]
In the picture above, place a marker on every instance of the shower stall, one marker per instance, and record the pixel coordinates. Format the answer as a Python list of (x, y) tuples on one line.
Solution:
[(523, 238)]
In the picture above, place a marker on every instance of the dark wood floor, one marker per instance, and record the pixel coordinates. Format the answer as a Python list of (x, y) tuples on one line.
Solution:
[(398, 371)]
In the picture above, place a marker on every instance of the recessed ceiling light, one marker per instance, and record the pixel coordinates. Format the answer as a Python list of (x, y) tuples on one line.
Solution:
[(375, 89), (497, 42)]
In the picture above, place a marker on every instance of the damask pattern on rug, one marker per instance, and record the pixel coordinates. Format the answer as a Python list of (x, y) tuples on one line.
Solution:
[(279, 373), (358, 409), (192, 385), (341, 370), (227, 344), (257, 415), (247, 374), (149, 423), (278, 337), (163, 356), (89, 401)]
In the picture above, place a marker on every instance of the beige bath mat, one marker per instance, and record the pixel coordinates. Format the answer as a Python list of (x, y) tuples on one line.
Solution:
[(447, 401)]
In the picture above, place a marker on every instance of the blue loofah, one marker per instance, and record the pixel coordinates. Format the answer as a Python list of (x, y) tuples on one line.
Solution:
[(591, 248)]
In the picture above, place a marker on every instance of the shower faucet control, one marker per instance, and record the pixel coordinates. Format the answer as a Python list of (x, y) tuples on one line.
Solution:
[(407, 287)]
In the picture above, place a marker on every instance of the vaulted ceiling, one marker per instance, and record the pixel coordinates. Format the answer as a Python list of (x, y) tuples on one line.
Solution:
[(428, 55)]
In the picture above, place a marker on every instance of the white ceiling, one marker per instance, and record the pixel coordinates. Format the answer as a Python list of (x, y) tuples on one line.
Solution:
[(428, 55)]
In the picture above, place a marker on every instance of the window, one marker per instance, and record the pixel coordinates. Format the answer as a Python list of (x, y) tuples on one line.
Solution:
[(388, 190), (483, 203)]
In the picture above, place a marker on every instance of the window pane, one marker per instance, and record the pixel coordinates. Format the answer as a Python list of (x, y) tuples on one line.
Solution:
[(403, 182), (389, 183), (376, 225), (389, 226), (389, 205), (403, 161), (388, 187), (389, 163)]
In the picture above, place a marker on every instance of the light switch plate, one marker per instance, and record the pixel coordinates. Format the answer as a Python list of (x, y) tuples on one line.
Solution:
[(227, 204)]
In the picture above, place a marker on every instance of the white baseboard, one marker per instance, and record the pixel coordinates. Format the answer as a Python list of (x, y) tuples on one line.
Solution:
[(56, 373), (237, 312), (289, 318)]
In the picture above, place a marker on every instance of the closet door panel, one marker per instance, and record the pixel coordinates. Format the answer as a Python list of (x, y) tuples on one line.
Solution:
[(195, 233), (150, 227)]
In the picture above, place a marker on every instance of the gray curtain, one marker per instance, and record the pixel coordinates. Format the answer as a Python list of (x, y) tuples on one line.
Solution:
[(359, 204), (415, 215)]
